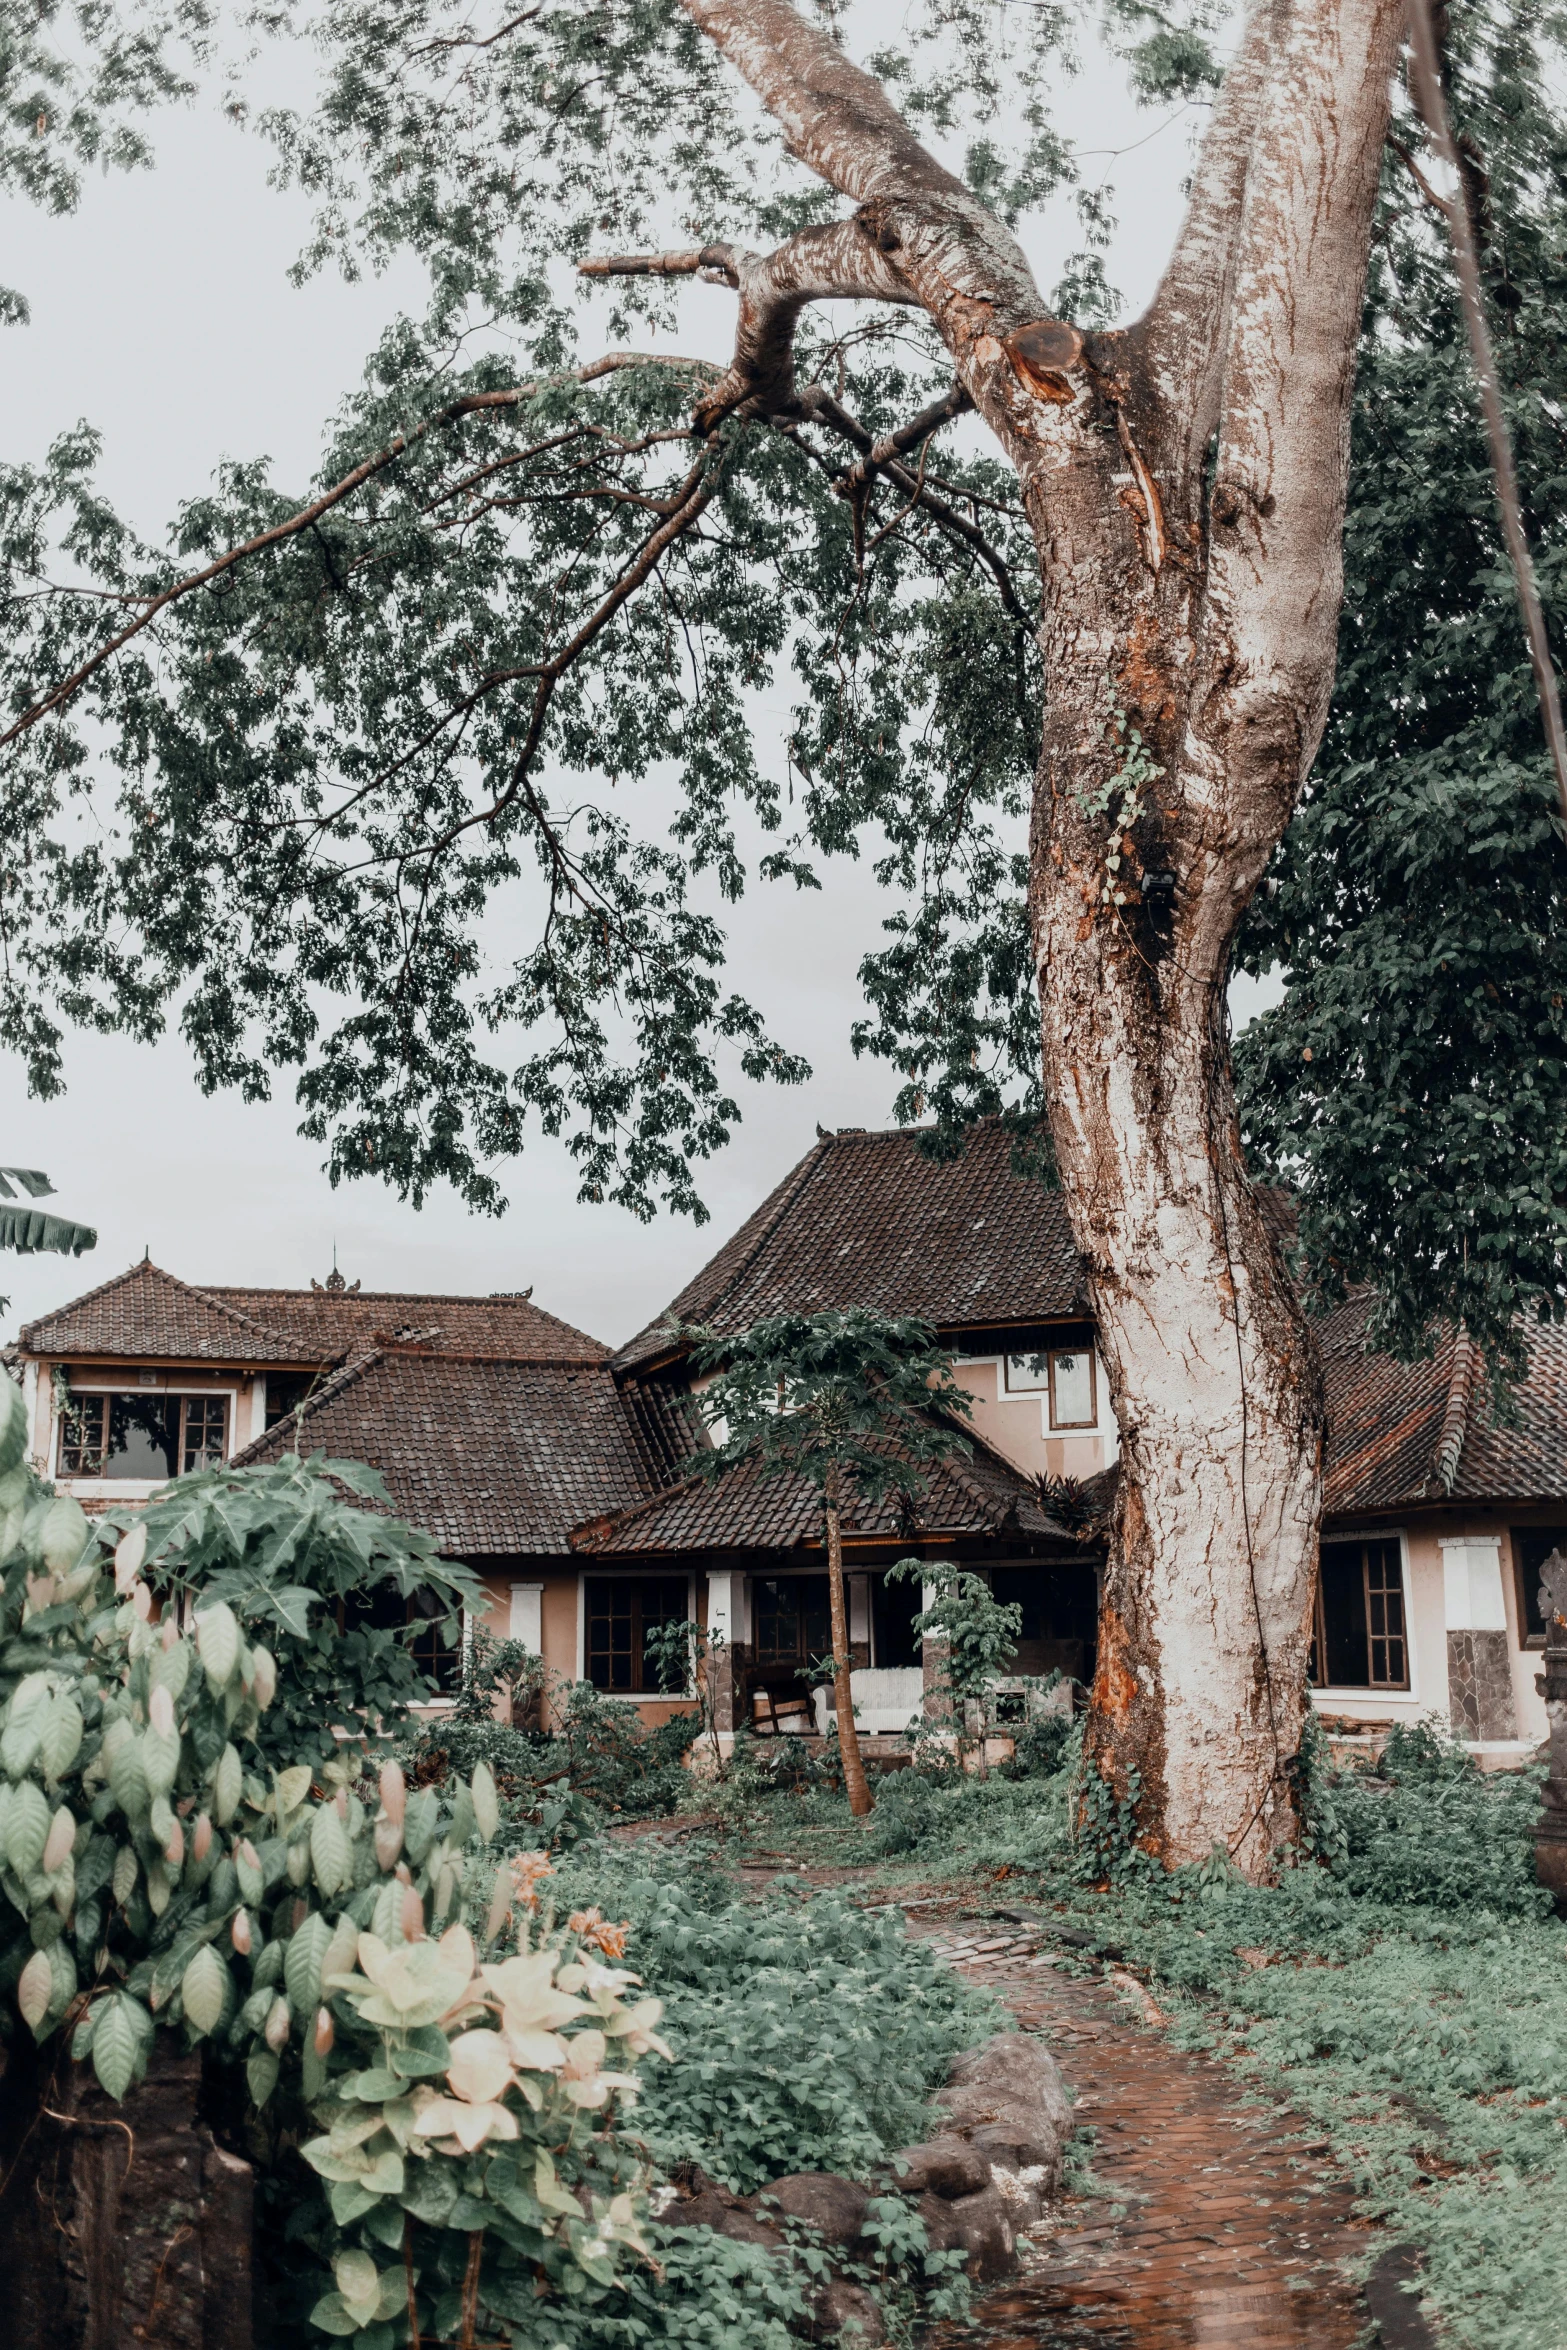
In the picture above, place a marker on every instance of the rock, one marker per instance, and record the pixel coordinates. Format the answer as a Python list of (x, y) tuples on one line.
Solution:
[(979, 2226), (945, 2166), (1015, 2064), (1023, 2191), (834, 2207), (1004, 2129), (847, 2314)]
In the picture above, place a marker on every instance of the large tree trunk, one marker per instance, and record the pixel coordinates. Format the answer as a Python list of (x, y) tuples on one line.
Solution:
[(1185, 482), (856, 1785), (1190, 641)]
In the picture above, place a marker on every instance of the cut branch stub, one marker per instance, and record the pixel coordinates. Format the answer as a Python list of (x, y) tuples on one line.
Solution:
[(1041, 355)]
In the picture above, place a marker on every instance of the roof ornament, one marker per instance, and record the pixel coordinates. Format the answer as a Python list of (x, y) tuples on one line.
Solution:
[(334, 1284)]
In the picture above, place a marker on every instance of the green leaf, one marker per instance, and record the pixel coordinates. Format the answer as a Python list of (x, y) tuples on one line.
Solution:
[(120, 2037), (303, 1958), (27, 1828), (331, 1855), (204, 1990), (261, 2072), (332, 2314)]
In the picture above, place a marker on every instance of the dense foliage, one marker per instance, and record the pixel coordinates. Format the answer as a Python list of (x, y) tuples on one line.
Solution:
[(1414, 1079), (811, 2034), (509, 644), (455, 2065), (567, 1753), (340, 1591)]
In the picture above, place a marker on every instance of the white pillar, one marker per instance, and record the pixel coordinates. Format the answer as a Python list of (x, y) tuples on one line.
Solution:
[(721, 1598), (526, 1619), (1479, 1667), (1472, 1582)]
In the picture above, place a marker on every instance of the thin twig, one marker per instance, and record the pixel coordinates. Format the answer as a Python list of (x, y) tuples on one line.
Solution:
[(473, 403)]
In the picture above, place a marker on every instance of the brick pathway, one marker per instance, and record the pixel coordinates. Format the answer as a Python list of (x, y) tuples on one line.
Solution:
[(1212, 2225)]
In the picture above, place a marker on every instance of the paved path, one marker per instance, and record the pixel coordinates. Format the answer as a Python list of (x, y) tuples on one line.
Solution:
[(1211, 2223)]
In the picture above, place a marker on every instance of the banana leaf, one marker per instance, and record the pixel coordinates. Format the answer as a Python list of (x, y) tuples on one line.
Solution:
[(32, 1180), (30, 1230)]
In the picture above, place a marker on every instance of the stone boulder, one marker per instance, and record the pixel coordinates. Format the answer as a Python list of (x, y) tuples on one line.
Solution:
[(985, 2175)]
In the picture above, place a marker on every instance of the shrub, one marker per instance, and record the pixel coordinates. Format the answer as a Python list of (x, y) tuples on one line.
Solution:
[(457, 2071), (810, 2035), (598, 1752), (1427, 1826), (302, 1563)]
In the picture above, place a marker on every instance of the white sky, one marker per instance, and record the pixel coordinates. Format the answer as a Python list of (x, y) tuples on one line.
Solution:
[(163, 315)]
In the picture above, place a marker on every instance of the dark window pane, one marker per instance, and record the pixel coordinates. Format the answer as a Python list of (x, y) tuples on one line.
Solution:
[(1361, 1639), (894, 1607), (1532, 1546), (206, 1421), (1385, 1616), (620, 1611), (120, 1436), (83, 1436), (1342, 1659), (386, 1609), (286, 1391), (793, 1619), (1060, 1618)]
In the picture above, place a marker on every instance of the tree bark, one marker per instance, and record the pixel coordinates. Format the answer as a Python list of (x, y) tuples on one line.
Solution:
[(1185, 483), (124, 2224), (856, 1785)]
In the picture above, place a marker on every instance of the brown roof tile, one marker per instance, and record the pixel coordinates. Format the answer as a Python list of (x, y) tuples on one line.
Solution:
[(865, 1220), (505, 1327), (753, 1509), (490, 1457), (147, 1312), (1400, 1434)]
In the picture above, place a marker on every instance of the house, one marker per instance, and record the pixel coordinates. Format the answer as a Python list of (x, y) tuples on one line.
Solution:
[(560, 1471)]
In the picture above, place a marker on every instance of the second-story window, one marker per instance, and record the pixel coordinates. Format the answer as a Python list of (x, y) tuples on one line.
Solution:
[(142, 1436)]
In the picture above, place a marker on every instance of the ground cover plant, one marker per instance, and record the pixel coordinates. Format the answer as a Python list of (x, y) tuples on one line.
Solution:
[(812, 2034), (1405, 1988)]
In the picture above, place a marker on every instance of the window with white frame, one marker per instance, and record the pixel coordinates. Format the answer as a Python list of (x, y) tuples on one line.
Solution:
[(1066, 1376), (1360, 1637), (152, 1437)]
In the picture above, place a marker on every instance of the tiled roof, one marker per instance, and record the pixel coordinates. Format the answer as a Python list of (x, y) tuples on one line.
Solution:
[(753, 1509), (490, 1457), (148, 1313), (865, 1220), (506, 1327), (1400, 1434)]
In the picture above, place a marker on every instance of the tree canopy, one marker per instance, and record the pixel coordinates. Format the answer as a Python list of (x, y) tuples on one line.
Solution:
[(428, 796)]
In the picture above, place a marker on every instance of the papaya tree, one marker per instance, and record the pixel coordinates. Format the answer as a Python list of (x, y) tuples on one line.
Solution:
[(856, 1405)]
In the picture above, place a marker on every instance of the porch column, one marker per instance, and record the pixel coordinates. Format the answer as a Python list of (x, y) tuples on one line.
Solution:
[(725, 1602), (525, 1622), (859, 1597), (1479, 1670), (933, 1665)]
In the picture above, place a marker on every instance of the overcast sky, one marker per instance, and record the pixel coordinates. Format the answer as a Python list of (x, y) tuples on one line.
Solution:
[(162, 314)]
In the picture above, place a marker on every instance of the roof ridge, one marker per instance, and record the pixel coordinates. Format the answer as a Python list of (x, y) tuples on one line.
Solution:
[(426, 1297), (1455, 1416), (353, 1367), (135, 1272)]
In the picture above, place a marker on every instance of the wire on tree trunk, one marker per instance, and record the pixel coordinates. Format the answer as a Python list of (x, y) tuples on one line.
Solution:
[(1427, 81)]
